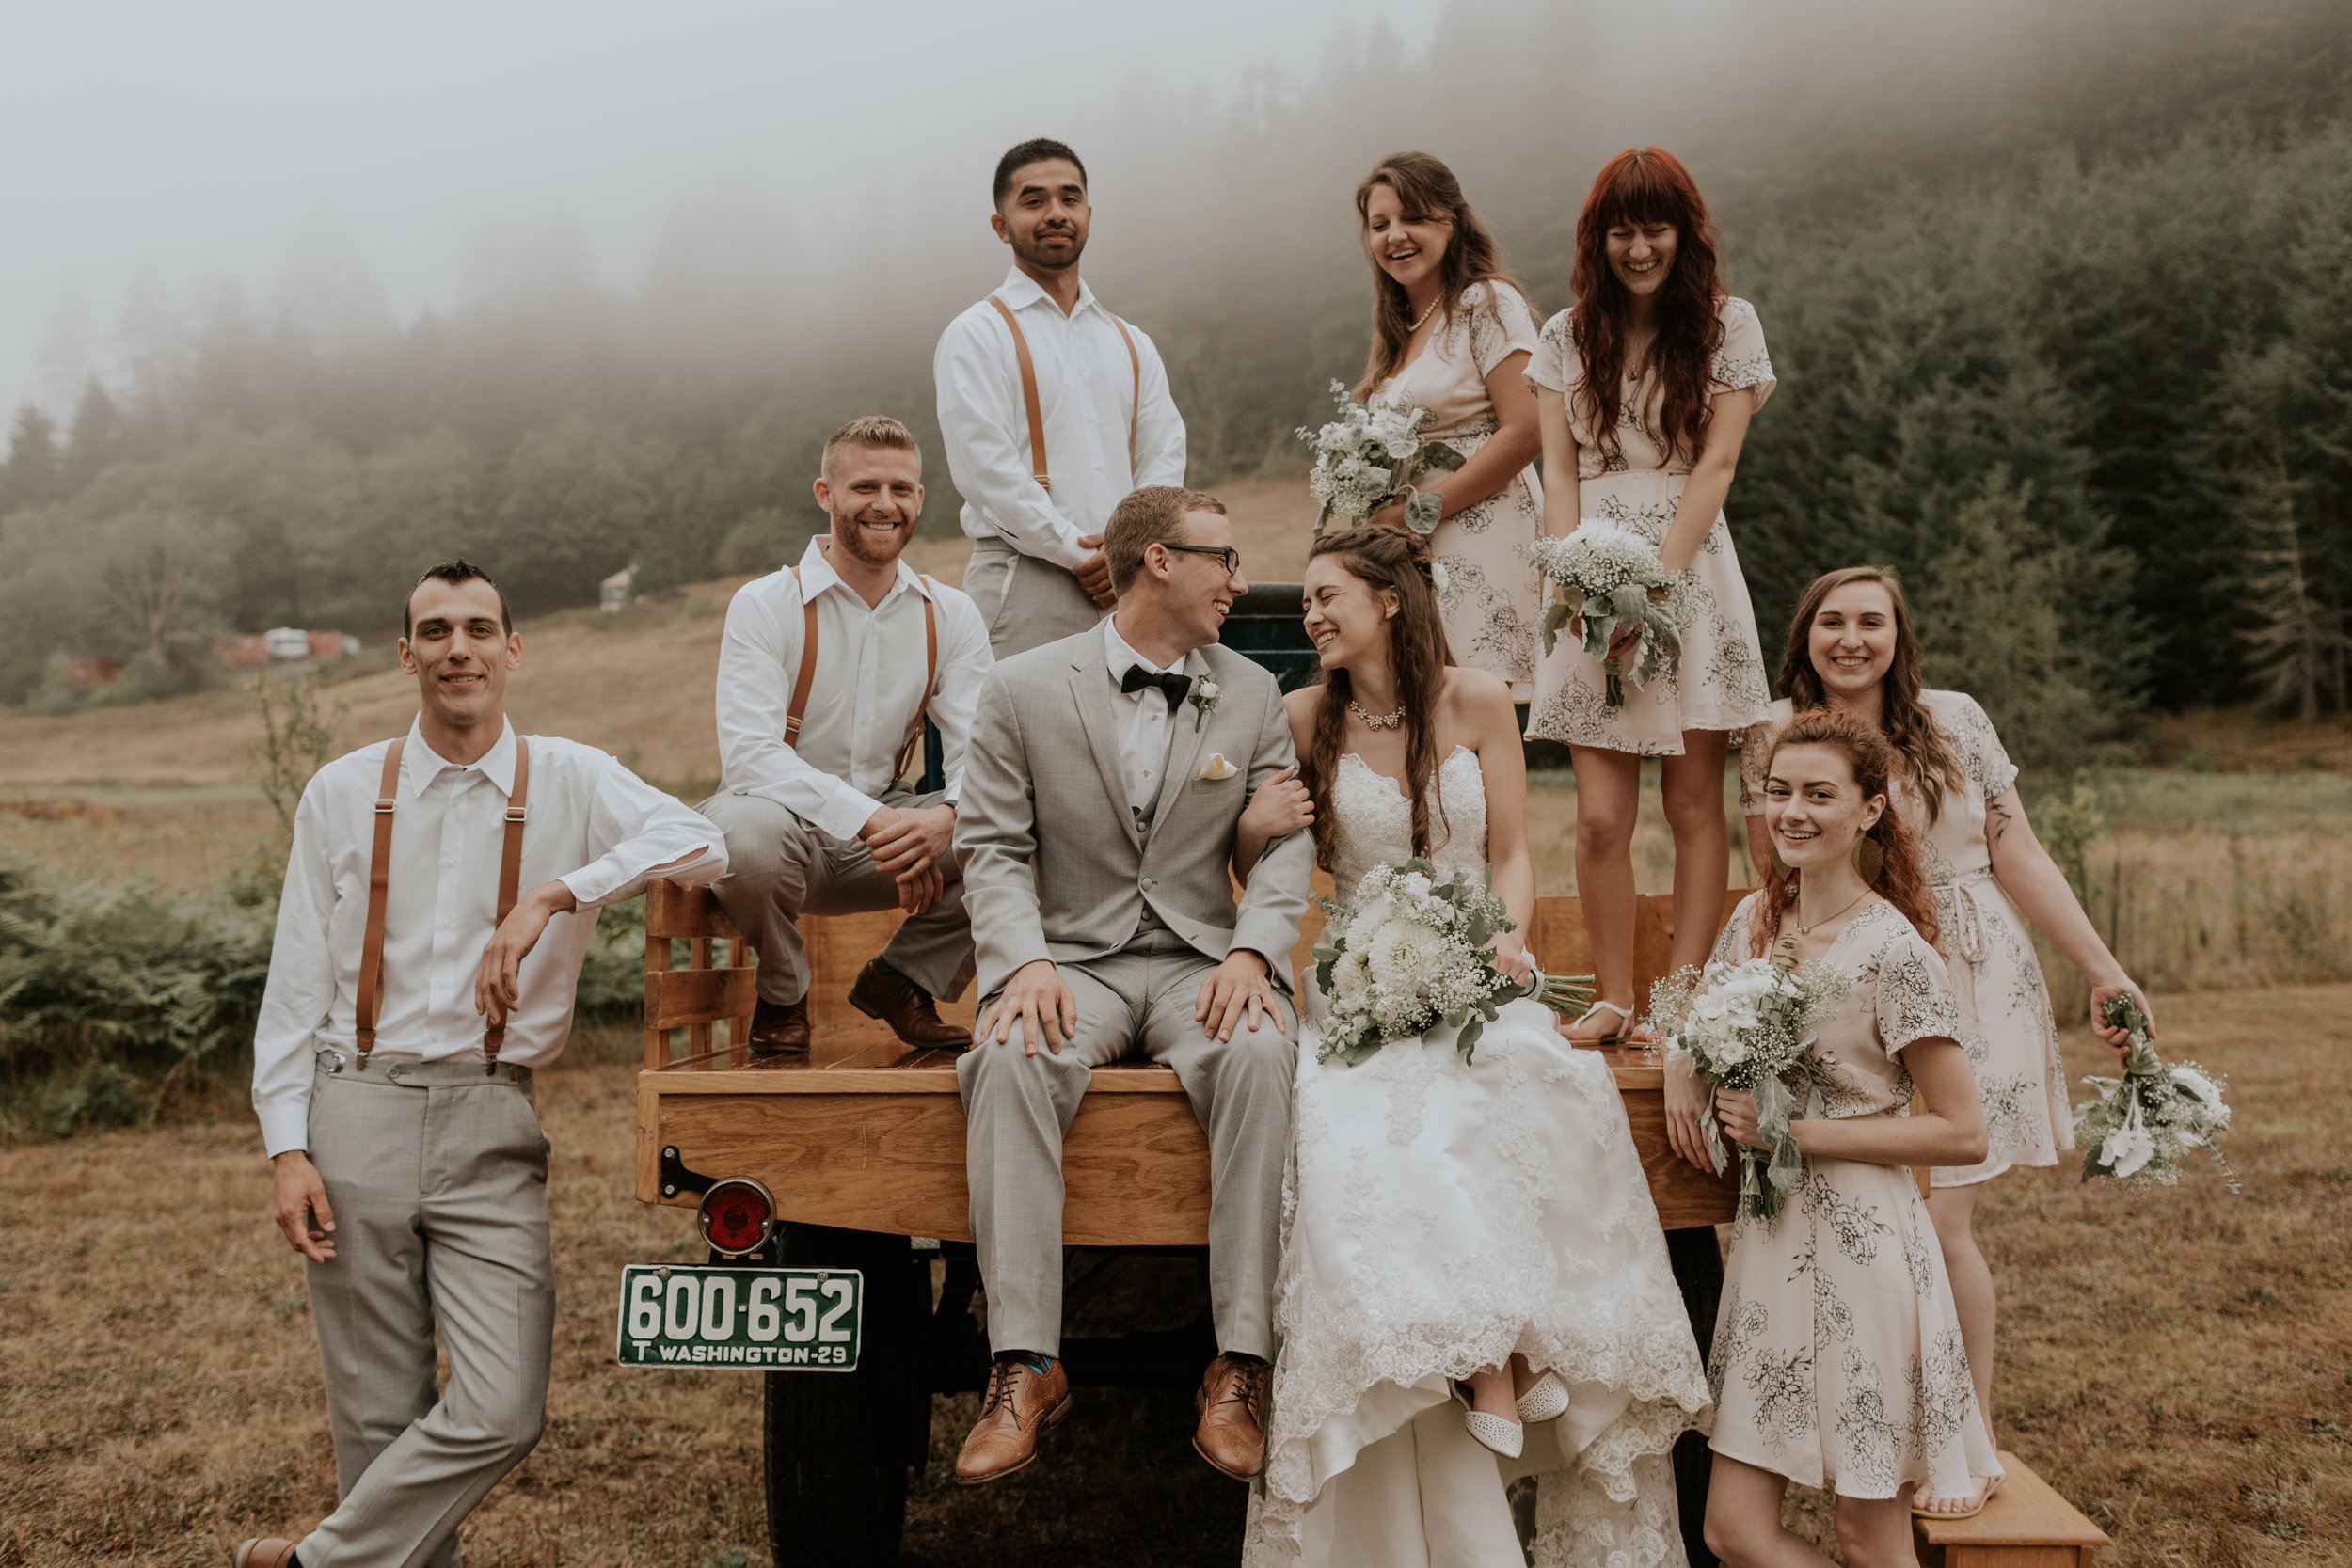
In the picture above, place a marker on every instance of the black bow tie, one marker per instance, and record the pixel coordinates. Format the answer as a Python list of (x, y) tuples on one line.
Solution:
[(1177, 687)]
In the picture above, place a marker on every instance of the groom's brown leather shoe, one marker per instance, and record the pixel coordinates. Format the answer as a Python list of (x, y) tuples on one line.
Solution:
[(1231, 1435), (266, 1551), (907, 1008), (780, 1028), (1020, 1403)]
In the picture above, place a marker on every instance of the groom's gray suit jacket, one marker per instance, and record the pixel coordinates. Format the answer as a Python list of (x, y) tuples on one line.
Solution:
[(1054, 866)]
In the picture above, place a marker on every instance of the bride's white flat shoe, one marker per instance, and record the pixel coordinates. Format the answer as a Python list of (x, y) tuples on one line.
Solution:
[(1492, 1432), (1546, 1401)]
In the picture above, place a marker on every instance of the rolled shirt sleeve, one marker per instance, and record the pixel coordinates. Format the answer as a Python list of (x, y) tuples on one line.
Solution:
[(640, 831), (988, 455), (758, 659)]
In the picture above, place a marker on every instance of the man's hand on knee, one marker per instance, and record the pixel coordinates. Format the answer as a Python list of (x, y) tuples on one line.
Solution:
[(1234, 990), (1037, 999), (921, 890), (300, 1207), (903, 841)]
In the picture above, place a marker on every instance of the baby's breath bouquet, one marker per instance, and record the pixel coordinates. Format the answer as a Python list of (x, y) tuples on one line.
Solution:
[(1410, 954), (1608, 572), (1368, 458), (1746, 1026), (2144, 1121)]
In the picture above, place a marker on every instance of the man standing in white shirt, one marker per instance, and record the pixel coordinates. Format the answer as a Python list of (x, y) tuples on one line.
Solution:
[(815, 743), (414, 988), (1052, 410)]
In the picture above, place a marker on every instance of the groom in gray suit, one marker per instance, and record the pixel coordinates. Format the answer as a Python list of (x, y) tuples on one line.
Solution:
[(1102, 785)]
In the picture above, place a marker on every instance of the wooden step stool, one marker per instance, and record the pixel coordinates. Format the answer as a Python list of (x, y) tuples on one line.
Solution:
[(2027, 1525)]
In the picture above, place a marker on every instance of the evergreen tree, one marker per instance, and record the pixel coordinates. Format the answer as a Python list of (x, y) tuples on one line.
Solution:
[(34, 473)]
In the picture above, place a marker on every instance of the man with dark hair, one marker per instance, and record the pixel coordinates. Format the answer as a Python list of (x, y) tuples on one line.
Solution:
[(1107, 773), (440, 897), (825, 677), (1051, 408)]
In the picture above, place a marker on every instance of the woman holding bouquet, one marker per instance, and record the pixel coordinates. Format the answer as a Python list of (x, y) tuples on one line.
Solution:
[(1471, 1260), (1451, 335), (1852, 649), (1644, 389), (1838, 1361)]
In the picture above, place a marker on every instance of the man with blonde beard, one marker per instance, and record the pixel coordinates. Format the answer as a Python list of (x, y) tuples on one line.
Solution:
[(826, 677)]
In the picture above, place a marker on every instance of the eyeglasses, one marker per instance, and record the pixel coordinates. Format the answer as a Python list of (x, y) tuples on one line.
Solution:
[(1226, 553)]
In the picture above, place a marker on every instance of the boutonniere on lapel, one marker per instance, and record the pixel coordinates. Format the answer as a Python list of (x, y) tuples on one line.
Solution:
[(1216, 769), (1203, 698)]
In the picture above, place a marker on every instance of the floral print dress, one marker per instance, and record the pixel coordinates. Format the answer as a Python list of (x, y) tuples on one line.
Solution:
[(2011, 1033), (1492, 599), (1719, 683), (1838, 1359)]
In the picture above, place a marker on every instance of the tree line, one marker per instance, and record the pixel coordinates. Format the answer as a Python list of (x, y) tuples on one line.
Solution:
[(2088, 382)]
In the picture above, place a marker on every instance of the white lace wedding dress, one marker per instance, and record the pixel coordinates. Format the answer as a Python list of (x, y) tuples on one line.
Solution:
[(1435, 1218)]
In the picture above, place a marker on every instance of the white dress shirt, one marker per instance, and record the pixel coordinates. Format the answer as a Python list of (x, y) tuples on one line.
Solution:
[(867, 690), (1085, 385), (594, 826), (1147, 730)]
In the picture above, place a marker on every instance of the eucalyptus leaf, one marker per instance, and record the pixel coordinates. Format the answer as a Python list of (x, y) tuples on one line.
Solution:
[(1423, 511), (1437, 454)]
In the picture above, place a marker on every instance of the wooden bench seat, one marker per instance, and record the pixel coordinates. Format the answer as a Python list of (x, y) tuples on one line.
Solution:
[(2027, 1525), (864, 1134)]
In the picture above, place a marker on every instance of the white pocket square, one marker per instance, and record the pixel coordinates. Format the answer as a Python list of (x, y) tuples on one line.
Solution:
[(1217, 767)]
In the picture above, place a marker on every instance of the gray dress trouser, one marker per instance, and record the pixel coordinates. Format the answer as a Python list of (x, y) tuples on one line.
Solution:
[(1017, 1108), (437, 1176), (780, 868), (1028, 601)]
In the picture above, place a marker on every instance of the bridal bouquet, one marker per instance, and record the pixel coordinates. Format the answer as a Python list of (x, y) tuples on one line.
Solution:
[(2144, 1121), (1608, 572), (1410, 955), (1368, 458), (1746, 1026)]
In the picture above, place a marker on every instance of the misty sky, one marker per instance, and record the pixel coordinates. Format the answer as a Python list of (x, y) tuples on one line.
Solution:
[(209, 143)]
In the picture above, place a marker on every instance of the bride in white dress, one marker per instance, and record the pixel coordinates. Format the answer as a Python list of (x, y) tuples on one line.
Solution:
[(1454, 1235)]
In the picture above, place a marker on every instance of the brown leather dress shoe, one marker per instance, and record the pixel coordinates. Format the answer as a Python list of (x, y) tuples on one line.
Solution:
[(907, 1008), (265, 1551), (1020, 1403), (780, 1028), (1232, 1402)]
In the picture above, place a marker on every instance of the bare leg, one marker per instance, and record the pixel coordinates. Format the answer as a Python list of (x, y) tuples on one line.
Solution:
[(1875, 1532), (1743, 1526), (1607, 797), (1692, 787), (1954, 1210)]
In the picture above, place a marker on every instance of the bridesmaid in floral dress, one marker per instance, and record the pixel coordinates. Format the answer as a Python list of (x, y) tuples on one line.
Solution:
[(1852, 648), (1645, 388), (1838, 1360), (1452, 334)]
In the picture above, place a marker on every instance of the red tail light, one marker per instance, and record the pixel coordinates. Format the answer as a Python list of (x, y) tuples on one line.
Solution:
[(738, 1217)]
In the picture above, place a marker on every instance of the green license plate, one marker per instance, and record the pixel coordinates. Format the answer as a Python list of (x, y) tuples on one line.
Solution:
[(746, 1320)]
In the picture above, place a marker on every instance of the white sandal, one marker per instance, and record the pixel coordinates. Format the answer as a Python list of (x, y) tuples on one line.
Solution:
[(1491, 1432), (1548, 1401), (1625, 1025)]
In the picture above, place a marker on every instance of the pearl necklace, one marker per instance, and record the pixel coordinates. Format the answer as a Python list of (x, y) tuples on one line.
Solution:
[(1378, 720), (1808, 930), (1426, 314)]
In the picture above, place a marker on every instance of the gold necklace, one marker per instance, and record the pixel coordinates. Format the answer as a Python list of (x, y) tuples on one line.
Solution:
[(1808, 930), (1378, 720)]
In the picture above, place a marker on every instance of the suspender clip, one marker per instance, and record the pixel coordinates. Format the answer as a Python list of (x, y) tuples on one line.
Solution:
[(517, 814), (384, 807)]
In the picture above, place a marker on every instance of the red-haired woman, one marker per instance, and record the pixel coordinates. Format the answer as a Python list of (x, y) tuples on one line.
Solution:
[(1644, 389), (1852, 649), (1838, 1361), (1452, 334)]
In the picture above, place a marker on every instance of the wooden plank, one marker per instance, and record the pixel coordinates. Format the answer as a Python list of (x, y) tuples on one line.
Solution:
[(648, 1139), (679, 997), (2027, 1525), (1686, 1196), (1135, 1167), (673, 910)]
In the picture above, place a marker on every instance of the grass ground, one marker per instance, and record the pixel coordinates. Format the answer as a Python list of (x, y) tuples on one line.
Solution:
[(2172, 1362)]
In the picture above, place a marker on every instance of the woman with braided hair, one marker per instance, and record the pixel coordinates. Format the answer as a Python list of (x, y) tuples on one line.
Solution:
[(1473, 1286)]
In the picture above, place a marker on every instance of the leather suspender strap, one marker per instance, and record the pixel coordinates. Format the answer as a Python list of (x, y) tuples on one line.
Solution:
[(806, 680), (1134, 409), (930, 674), (1028, 395), (510, 873), (379, 886)]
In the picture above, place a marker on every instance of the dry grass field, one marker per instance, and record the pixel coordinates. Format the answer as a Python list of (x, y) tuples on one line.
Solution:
[(2173, 1362)]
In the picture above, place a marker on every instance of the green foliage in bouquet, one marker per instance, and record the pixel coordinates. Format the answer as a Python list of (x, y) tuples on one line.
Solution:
[(2143, 1122)]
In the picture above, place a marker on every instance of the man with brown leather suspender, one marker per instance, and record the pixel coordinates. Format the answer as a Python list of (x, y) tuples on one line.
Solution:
[(1052, 409), (826, 674), (440, 895)]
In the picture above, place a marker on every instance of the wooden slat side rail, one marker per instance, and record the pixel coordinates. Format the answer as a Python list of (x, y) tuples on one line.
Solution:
[(695, 998), (675, 911), (689, 999), (2027, 1525)]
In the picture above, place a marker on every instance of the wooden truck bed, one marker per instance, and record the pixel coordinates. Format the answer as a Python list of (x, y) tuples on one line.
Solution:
[(864, 1134)]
